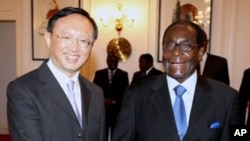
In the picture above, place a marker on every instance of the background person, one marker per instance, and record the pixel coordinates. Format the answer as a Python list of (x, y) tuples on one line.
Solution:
[(113, 82), (147, 69), (244, 93), (213, 66)]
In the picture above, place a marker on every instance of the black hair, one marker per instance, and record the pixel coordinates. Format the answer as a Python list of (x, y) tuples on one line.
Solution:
[(147, 57), (68, 11), (200, 38)]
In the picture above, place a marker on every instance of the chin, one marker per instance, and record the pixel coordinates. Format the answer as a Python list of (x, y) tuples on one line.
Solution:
[(176, 75)]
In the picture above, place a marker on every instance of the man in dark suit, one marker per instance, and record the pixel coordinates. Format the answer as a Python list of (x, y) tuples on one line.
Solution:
[(180, 105), (113, 82), (216, 67), (213, 66), (54, 102), (244, 94), (147, 69)]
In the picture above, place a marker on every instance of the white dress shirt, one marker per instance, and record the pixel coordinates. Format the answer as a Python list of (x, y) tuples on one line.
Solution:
[(188, 96), (63, 80)]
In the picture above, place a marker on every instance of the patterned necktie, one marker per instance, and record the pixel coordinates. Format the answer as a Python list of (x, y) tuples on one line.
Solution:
[(180, 112), (73, 101)]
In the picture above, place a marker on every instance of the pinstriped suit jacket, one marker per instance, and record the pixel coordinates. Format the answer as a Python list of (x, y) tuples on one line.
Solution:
[(38, 109)]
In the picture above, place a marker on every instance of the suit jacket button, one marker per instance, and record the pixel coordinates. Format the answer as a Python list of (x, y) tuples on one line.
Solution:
[(79, 135)]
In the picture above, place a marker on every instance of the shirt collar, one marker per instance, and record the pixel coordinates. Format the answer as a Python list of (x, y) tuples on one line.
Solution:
[(60, 77), (147, 71), (189, 83), (112, 71)]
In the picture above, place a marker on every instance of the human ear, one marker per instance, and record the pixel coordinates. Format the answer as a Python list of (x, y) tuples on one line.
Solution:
[(47, 37), (202, 50)]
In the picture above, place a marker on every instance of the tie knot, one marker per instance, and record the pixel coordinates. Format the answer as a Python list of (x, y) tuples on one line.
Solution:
[(179, 90), (70, 85)]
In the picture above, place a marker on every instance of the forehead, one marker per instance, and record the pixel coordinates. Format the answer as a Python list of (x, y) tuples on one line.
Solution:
[(73, 21), (181, 31)]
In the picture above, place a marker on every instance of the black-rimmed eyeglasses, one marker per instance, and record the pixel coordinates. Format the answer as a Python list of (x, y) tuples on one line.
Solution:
[(184, 46)]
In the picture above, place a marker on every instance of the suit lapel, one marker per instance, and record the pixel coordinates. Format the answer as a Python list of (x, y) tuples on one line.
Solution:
[(208, 65), (106, 75), (202, 101), (53, 89), (162, 103), (85, 92)]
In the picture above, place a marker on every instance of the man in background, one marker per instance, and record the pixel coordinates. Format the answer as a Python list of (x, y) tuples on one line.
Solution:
[(244, 93), (213, 66), (147, 69), (113, 82)]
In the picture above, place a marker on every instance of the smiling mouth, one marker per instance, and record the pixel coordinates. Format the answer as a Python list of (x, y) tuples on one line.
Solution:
[(177, 63), (72, 58)]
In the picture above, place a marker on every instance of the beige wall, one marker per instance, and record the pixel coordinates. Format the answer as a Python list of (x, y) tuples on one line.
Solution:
[(229, 35)]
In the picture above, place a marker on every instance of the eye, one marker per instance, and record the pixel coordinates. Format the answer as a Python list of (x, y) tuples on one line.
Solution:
[(171, 45), (83, 40), (185, 45), (66, 37)]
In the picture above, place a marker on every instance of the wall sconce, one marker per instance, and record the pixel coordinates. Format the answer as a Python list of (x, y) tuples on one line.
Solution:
[(119, 18)]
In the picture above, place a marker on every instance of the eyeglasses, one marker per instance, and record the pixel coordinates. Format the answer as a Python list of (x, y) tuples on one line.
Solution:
[(67, 39), (184, 46)]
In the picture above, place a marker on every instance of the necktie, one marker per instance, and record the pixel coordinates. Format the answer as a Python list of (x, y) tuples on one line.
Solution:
[(111, 75), (179, 111), (73, 101)]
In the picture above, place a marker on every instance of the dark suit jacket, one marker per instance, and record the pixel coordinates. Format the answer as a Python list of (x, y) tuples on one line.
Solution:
[(244, 93), (39, 110), (138, 76), (114, 91), (216, 67), (147, 114)]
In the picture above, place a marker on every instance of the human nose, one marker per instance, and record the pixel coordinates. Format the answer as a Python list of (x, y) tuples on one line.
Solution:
[(177, 51), (75, 45)]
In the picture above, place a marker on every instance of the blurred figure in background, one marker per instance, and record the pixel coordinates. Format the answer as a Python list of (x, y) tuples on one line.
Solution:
[(213, 66), (244, 93), (113, 81), (147, 69)]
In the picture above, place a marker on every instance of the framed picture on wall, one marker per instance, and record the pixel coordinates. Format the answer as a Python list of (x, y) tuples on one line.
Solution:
[(41, 11), (198, 11)]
